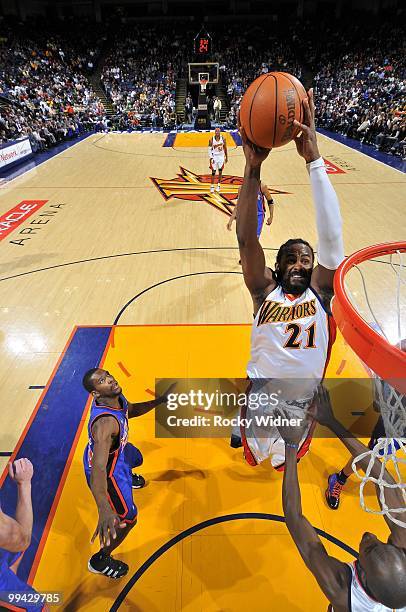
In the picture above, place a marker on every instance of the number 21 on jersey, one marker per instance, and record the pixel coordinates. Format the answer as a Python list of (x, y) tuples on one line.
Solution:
[(300, 336)]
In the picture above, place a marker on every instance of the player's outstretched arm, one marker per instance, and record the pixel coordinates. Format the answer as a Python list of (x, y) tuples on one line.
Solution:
[(103, 432), (323, 413), (12, 536), (140, 408), (330, 573), (258, 278), (330, 249), (15, 534)]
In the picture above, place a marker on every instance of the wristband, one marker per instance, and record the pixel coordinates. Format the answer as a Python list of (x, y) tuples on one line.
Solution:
[(292, 445), (317, 163)]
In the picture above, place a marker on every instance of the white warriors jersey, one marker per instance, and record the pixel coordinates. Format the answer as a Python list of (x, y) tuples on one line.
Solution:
[(217, 147), (291, 338), (359, 600)]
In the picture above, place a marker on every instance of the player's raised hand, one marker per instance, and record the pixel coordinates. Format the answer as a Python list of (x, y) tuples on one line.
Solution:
[(254, 155), (107, 527), (306, 140), (21, 471), (321, 409), (291, 433), (165, 394)]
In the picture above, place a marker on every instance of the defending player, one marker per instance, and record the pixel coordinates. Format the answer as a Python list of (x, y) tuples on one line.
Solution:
[(264, 195), (108, 461), (376, 582), (15, 538), (218, 156), (293, 328)]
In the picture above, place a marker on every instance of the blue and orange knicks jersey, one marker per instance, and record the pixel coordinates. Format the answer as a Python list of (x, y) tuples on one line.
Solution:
[(260, 202), (260, 212), (116, 456), (120, 462)]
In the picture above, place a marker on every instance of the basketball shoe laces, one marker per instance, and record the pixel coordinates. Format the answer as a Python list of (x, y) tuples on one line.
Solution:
[(337, 488)]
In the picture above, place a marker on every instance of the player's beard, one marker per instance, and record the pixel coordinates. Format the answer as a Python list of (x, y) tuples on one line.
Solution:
[(297, 286)]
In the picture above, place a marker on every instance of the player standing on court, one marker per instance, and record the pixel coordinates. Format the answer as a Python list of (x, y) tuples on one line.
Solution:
[(376, 581), (293, 329), (108, 461), (218, 157)]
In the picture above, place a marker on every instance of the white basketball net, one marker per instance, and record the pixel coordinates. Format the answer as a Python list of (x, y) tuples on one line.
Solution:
[(391, 451)]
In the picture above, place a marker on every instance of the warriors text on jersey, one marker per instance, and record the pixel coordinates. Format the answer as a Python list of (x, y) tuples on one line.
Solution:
[(291, 338)]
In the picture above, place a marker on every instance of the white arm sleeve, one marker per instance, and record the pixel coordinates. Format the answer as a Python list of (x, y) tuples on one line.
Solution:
[(210, 150), (330, 249)]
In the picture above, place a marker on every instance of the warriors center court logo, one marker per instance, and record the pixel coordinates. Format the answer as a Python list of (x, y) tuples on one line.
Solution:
[(196, 187)]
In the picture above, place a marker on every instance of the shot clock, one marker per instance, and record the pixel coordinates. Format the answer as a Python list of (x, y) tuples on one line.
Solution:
[(202, 44)]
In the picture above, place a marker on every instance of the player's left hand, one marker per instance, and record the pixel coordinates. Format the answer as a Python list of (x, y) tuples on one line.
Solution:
[(254, 155), (306, 140), (269, 221)]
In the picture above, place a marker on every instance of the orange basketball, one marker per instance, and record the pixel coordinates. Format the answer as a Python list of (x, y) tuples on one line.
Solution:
[(268, 108)]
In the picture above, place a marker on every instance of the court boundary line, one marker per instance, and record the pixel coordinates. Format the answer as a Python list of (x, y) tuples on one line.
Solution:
[(168, 280), (53, 507), (75, 144), (362, 153), (152, 251), (37, 405), (208, 523), (47, 527)]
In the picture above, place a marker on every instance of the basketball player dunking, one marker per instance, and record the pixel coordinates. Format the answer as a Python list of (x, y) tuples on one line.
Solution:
[(108, 461), (376, 581), (218, 157), (293, 328)]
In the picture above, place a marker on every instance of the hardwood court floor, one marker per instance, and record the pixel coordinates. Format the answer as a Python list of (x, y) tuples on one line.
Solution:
[(110, 236)]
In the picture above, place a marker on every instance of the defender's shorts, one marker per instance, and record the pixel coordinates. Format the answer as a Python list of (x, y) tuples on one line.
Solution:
[(119, 482)]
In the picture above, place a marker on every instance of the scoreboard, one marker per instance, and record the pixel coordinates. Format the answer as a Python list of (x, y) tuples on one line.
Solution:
[(203, 44)]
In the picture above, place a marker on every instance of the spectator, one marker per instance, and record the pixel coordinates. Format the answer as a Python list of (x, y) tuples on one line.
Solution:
[(217, 109), (189, 109)]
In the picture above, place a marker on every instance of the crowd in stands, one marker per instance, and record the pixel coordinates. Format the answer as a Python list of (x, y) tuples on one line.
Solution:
[(247, 54), (139, 76), (358, 72), (361, 92), (44, 88)]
